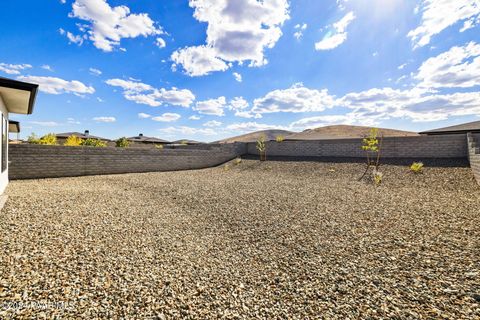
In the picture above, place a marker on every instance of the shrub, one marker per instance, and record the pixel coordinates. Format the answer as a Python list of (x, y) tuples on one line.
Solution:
[(94, 143), (262, 148), (226, 167), (377, 177), (49, 139), (280, 138), (159, 146), (238, 161), (417, 167), (33, 139), (371, 144), (122, 143), (73, 141)]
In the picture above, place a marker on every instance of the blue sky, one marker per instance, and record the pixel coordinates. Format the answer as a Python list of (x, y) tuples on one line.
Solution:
[(208, 69)]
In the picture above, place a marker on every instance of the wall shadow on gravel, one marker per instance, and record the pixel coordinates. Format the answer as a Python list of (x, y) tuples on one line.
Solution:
[(428, 162)]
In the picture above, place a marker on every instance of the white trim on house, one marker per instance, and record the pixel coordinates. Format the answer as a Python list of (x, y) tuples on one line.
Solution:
[(4, 174), (15, 97)]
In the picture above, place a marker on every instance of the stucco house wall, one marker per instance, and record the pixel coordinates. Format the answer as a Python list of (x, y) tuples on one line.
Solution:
[(3, 175)]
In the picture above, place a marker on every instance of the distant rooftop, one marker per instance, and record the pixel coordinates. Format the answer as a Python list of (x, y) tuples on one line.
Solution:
[(13, 126), (85, 135), (144, 139), (460, 128)]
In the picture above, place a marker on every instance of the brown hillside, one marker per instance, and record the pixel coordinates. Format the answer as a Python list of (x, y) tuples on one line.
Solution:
[(253, 136), (345, 131)]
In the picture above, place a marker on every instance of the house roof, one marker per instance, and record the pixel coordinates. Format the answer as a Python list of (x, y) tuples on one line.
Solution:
[(13, 126), (80, 135), (460, 128), (19, 97), (142, 138)]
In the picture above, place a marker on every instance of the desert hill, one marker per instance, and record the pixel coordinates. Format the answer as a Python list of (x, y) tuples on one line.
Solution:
[(345, 131), (253, 136)]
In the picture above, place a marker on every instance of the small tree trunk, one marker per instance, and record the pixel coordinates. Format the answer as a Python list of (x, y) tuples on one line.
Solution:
[(263, 156)]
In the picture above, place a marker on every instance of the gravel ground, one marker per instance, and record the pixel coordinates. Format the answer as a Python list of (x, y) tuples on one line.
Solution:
[(271, 240)]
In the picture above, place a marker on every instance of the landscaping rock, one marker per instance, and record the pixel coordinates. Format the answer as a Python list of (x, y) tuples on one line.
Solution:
[(269, 240)]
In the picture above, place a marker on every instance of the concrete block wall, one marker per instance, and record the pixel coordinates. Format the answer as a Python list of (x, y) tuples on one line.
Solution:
[(441, 146), (474, 154), (36, 161)]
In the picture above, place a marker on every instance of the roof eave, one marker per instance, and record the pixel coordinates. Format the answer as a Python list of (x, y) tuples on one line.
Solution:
[(23, 86)]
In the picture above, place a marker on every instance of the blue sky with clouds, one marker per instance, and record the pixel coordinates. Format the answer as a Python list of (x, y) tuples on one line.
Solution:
[(208, 69)]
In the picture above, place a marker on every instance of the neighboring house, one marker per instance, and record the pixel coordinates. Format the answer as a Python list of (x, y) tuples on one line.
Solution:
[(473, 127), (143, 141), (14, 127), (15, 97), (62, 137)]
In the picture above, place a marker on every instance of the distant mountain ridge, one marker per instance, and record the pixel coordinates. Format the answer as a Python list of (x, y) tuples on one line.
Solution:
[(253, 136), (327, 132), (346, 131)]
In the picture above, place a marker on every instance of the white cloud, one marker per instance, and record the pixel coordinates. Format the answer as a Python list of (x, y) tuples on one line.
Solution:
[(45, 123), (247, 114), (106, 26), (189, 131), (470, 23), (320, 121), (239, 105), (100, 99), (95, 72), (142, 115), (338, 35), (295, 99), (130, 86), (77, 39), (72, 121), (370, 107), (198, 61), (175, 96), (160, 43), (212, 123), (457, 67), (299, 30), (194, 117), (13, 68), (438, 15), (53, 85), (47, 67), (237, 76), (142, 93), (211, 107), (402, 66), (252, 126), (238, 31), (167, 117), (104, 119), (416, 104)]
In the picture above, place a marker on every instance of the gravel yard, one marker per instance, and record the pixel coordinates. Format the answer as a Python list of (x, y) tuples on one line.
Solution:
[(261, 240)]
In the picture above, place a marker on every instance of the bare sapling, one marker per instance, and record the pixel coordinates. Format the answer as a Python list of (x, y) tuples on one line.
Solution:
[(372, 146)]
